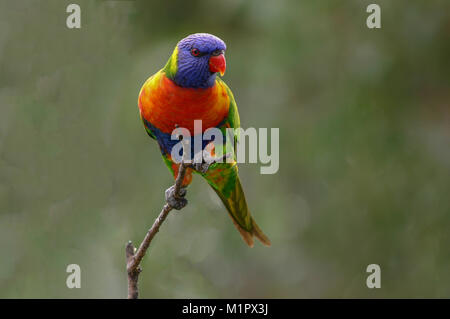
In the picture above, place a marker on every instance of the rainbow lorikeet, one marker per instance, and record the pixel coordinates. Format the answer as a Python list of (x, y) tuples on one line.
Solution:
[(185, 90)]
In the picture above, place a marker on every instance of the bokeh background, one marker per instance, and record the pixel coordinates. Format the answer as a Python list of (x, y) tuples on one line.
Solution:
[(364, 118)]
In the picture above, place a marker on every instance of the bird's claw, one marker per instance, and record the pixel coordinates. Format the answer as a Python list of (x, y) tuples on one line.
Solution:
[(201, 167), (176, 201), (204, 166)]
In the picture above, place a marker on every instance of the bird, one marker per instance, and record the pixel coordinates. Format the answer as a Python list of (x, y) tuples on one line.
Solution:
[(186, 89)]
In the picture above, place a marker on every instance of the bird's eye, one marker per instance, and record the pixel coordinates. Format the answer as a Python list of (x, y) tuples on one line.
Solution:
[(195, 52)]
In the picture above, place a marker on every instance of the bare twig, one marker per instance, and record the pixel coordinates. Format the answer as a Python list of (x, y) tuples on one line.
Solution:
[(134, 257)]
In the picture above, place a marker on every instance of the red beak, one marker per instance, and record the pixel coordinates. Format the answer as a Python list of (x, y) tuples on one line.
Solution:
[(217, 63)]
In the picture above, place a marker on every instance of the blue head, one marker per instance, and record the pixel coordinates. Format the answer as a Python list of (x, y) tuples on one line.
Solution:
[(199, 57)]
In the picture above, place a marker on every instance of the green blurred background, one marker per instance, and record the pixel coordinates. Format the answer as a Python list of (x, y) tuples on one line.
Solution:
[(364, 177)]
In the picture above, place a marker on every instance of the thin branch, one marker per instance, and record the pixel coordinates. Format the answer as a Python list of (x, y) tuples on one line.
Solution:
[(134, 257)]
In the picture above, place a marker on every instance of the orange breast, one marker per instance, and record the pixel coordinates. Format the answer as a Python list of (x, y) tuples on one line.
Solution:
[(165, 105)]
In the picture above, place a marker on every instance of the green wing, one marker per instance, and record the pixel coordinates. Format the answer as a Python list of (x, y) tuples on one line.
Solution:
[(232, 119), (150, 133)]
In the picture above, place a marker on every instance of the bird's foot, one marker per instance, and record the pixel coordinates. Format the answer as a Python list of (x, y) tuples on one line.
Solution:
[(176, 201), (202, 167), (205, 164)]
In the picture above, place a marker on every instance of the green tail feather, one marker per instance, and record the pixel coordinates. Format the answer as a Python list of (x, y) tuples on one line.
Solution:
[(232, 196)]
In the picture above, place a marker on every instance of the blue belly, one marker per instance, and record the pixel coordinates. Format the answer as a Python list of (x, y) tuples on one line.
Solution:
[(166, 143)]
